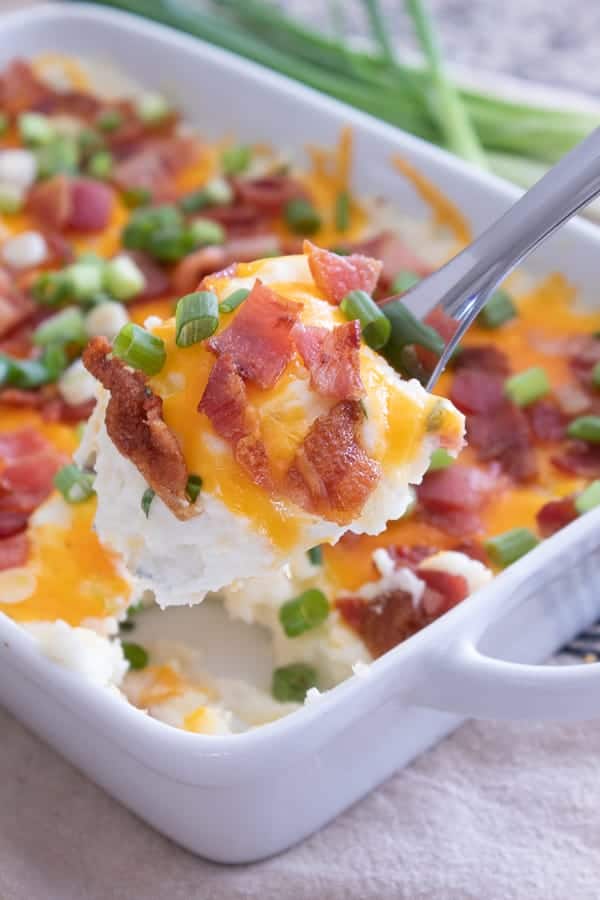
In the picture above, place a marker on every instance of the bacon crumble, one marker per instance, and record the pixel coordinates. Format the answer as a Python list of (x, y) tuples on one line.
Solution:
[(332, 358)]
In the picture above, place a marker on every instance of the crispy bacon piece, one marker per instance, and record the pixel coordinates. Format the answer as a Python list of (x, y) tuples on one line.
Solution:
[(395, 257), (384, 622), (406, 557), (61, 202), (155, 165), (555, 515), (572, 399), (240, 220), (20, 88), (546, 420), (12, 523), (473, 549), (268, 193), (444, 590), (332, 358), (259, 339), (331, 474), (13, 551), (225, 403), (584, 353), (451, 499), (483, 357), (505, 436), (137, 429), (211, 260), (458, 523), (48, 401), (15, 307), (28, 464), (336, 275), (477, 392), (79, 104), (579, 458)]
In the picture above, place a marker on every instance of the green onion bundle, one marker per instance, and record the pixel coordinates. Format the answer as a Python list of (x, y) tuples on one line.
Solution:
[(516, 140)]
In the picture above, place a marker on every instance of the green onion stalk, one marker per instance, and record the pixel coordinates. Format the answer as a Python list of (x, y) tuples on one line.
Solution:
[(516, 140)]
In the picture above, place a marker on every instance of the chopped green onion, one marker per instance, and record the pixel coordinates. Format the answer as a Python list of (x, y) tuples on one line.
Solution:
[(404, 281), (143, 222), (11, 198), (506, 548), (126, 625), (136, 196), (152, 108), (140, 349), (291, 683), (375, 326), (89, 141), (585, 428), (234, 300), (407, 330), (74, 484), (147, 498), (589, 498), (101, 164), (498, 310), (301, 216), (171, 243), (342, 211), (22, 373), (50, 288), (135, 654), (235, 160), (135, 608), (123, 278), (193, 487), (4, 123), (59, 155), (35, 129), (205, 232), (196, 318), (216, 192), (66, 327), (54, 361), (84, 279), (440, 459), (527, 387), (596, 375), (315, 554), (304, 612), (109, 120)]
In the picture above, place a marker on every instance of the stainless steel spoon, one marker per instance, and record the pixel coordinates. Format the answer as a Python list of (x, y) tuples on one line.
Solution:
[(463, 286)]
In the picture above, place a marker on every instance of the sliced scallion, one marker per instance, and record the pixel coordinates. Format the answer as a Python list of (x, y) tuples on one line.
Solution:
[(136, 196), (101, 164), (506, 548), (234, 300), (315, 554), (375, 326), (66, 327), (140, 349), (60, 155), (84, 278), (342, 211), (74, 484), (498, 310), (152, 108), (109, 120), (193, 487), (440, 459), (144, 222), (147, 498), (35, 129), (196, 318), (123, 279), (291, 683), (301, 216), (585, 428), (589, 498), (528, 386), (407, 330), (235, 160), (306, 611), (596, 375), (171, 243), (404, 281), (206, 233), (135, 654)]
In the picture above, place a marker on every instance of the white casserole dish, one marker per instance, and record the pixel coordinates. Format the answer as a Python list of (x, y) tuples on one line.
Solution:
[(243, 797)]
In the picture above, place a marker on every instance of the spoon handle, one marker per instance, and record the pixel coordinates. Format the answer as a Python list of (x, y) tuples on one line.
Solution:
[(463, 286)]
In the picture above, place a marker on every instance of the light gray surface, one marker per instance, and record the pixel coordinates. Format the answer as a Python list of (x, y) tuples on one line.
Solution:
[(495, 811)]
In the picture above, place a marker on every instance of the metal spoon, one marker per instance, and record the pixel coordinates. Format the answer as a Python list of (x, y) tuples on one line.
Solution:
[(464, 285)]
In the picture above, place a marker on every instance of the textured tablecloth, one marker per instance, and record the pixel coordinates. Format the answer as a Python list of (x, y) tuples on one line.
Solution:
[(496, 811)]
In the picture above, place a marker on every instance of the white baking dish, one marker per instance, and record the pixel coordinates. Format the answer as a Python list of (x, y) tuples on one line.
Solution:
[(243, 797)]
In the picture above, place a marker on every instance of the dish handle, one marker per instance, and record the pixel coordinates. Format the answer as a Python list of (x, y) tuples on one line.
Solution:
[(463, 680)]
